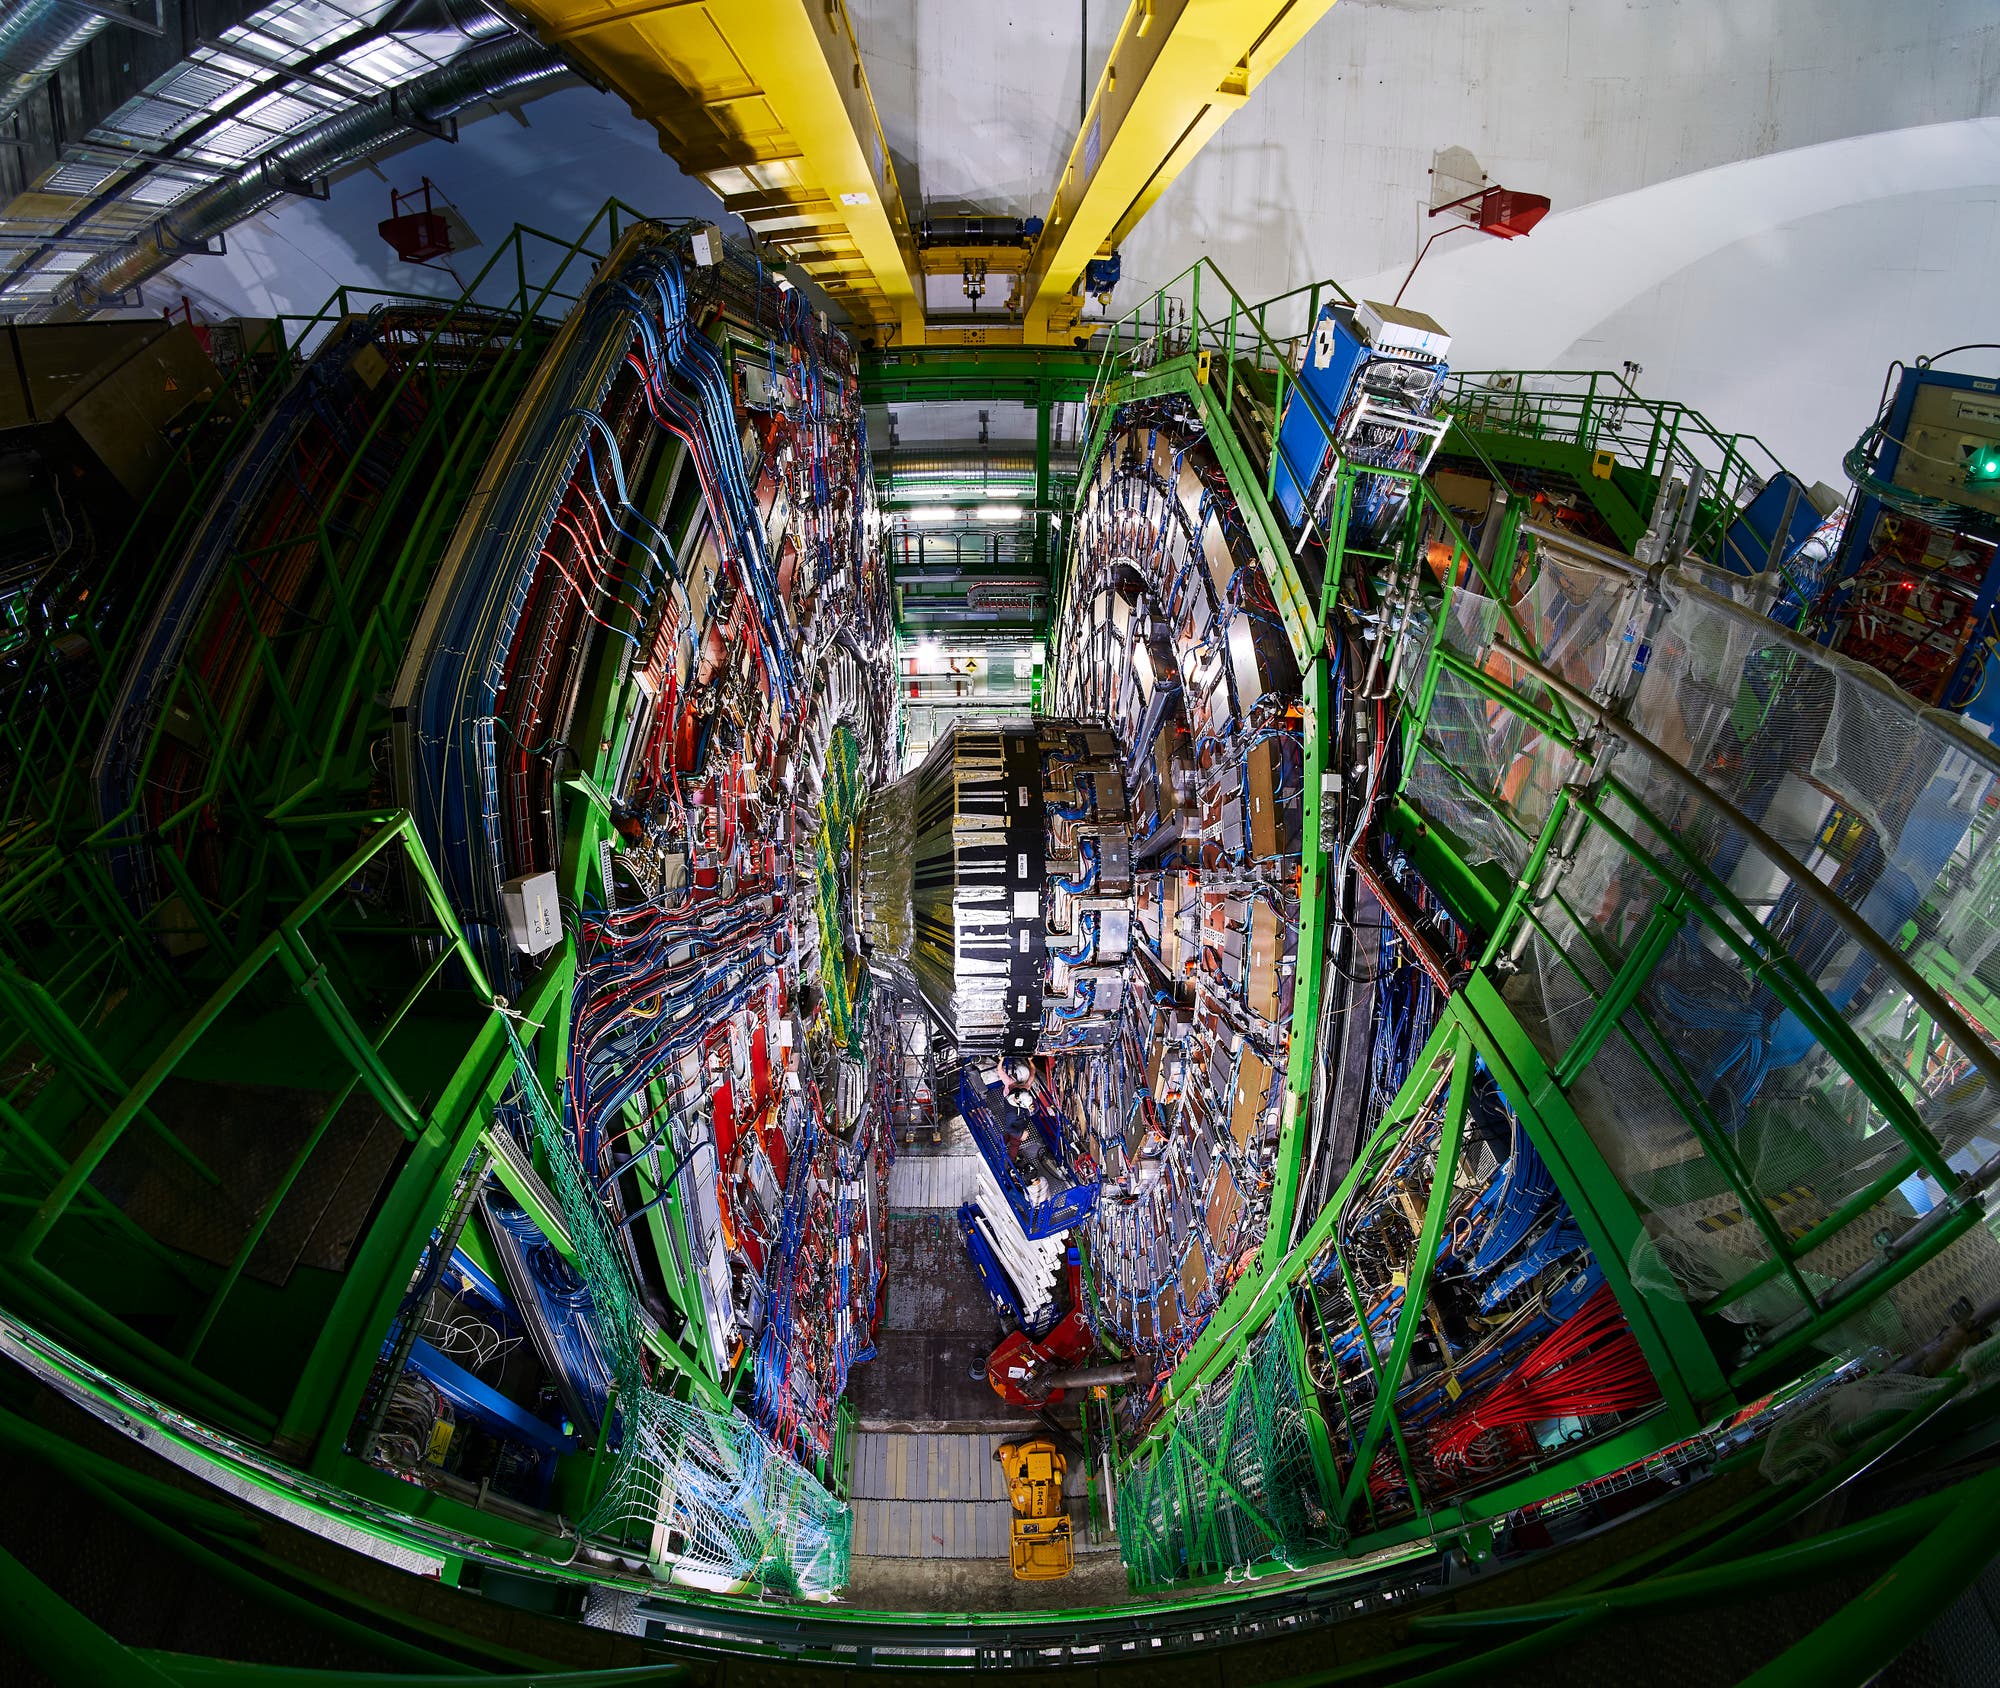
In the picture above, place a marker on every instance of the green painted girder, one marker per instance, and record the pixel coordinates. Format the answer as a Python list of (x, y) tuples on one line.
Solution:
[(1188, 378), (1679, 1349), (288, 678), (1667, 1330), (399, 1515), (1029, 374), (1248, 1305), (1417, 1285), (1695, 896), (1665, 1327)]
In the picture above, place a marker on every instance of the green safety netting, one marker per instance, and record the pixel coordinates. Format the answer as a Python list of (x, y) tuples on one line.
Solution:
[(1232, 1483), (740, 1512), (700, 1490)]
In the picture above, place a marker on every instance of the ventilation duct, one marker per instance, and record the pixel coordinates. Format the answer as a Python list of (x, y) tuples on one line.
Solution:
[(489, 71), (37, 39)]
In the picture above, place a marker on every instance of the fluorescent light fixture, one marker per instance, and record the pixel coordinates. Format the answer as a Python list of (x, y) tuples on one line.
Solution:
[(932, 513), (996, 513)]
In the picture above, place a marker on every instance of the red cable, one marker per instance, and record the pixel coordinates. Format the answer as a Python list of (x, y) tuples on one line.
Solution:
[(1590, 1364)]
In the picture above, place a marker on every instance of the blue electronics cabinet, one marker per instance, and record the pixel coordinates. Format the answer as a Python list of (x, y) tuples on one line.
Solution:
[(1369, 381)]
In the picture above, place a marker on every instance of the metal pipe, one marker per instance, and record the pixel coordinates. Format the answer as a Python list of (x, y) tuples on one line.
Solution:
[(487, 71), (36, 40), (1781, 534), (1683, 529), (1655, 544), (1388, 606), (1584, 550), (1090, 1377)]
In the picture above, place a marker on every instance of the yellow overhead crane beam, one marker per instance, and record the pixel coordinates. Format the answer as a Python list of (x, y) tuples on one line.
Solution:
[(766, 102), (1177, 70)]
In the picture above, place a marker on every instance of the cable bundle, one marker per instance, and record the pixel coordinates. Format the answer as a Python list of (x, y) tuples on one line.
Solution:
[(1590, 1365), (668, 979)]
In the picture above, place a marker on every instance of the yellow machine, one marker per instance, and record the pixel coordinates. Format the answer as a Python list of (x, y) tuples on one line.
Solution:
[(1042, 1548)]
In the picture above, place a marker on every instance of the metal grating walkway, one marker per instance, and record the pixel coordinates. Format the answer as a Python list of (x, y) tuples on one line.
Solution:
[(927, 1176)]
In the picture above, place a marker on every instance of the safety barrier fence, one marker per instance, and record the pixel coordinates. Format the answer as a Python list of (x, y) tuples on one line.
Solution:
[(1602, 414), (1906, 1563), (693, 1484), (133, 1194), (1784, 1092), (696, 1487), (1232, 1481)]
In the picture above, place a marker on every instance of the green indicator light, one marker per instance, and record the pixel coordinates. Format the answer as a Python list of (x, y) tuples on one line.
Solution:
[(1985, 468)]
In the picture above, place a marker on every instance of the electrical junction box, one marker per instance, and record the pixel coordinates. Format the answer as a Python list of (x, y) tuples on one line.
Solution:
[(1954, 422), (534, 921), (705, 246), (1392, 328)]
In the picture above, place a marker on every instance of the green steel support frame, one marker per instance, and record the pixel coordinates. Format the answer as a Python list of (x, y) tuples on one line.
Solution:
[(277, 936)]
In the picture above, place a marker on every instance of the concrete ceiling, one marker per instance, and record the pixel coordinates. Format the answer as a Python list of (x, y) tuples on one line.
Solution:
[(1690, 147), (980, 102)]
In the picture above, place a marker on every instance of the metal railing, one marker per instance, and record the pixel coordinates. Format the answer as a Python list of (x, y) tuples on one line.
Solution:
[(295, 719), (1600, 411), (309, 957), (1261, 347)]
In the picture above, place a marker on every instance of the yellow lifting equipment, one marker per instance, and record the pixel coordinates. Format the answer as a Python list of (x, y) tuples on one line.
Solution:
[(1042, 1548)]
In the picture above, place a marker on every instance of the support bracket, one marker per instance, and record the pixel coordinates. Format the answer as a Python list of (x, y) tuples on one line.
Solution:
[(438, 128)]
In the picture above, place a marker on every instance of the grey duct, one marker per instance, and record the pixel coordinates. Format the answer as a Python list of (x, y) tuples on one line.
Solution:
[(37, 38), (488, 71), (469, 17)]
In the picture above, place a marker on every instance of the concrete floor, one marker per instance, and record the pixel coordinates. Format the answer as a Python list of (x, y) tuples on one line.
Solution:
[(930, 1511), (970, 1585), (937, 1329)]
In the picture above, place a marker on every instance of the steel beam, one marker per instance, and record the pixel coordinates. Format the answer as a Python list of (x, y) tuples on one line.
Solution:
[(1028, 373), (767, 103), (1178, 68)]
